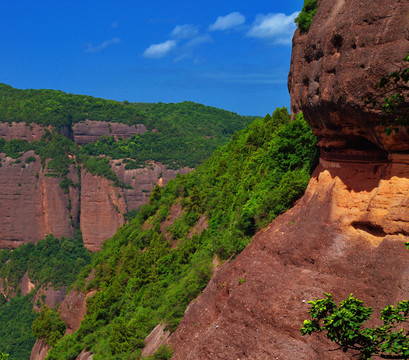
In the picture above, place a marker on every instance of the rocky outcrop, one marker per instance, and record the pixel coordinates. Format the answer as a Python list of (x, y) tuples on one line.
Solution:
[(32, 204), (73, 309), (155, 339), (103, 205), (346, 235), (349, 47), (85, 355), (26, 285), (143, 180), (39, 351), (91, 131), (31, 132)]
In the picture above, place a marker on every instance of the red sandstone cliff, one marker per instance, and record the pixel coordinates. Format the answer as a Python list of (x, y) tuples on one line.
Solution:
[(31, 132), (347, 233), (32, 204), (91, 131)]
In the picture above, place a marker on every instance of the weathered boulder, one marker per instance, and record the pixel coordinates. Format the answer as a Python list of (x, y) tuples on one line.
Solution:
[(349, 47)]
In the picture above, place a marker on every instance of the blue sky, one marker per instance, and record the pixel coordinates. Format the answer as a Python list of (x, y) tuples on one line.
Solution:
[(233, 55)]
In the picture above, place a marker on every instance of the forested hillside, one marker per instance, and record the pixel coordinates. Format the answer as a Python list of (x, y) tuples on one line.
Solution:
[(50, 263), (182, 134), (178, 135), (155, 266)]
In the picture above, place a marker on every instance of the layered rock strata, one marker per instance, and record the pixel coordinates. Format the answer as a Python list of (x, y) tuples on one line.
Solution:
[(91, 131), (34, 205), (31, 132)]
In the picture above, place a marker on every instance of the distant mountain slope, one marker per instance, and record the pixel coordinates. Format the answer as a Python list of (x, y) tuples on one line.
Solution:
[(131, 146), (182, 134)]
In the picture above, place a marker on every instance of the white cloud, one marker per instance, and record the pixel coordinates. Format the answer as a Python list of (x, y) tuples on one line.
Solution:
[(184, 31), (198, 40), (277, 27), (98, 48), (227, 22), (156, 51)]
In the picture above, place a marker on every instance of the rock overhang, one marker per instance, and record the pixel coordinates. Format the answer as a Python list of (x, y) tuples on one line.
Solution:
[(340, 61)]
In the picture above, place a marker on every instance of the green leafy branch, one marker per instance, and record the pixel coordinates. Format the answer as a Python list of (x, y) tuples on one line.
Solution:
[(343, 325)]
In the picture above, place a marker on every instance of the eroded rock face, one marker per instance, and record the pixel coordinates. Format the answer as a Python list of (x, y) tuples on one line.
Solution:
[(102, 209), (349, 47), (32, 204), (73, 309), (32, 132), (39, 351), (143, 180), (345, 235), (91, 131)]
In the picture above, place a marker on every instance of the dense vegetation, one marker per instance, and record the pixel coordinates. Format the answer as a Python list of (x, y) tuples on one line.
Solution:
[(56, 108), (16, 317), (51, 262), (184, 134), (304, 19), (160, 147), (48, 326), (142, 281)]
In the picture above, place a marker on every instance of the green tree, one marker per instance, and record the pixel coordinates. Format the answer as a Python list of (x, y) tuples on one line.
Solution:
[(49, 326), (344, 325), (304, 19)]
